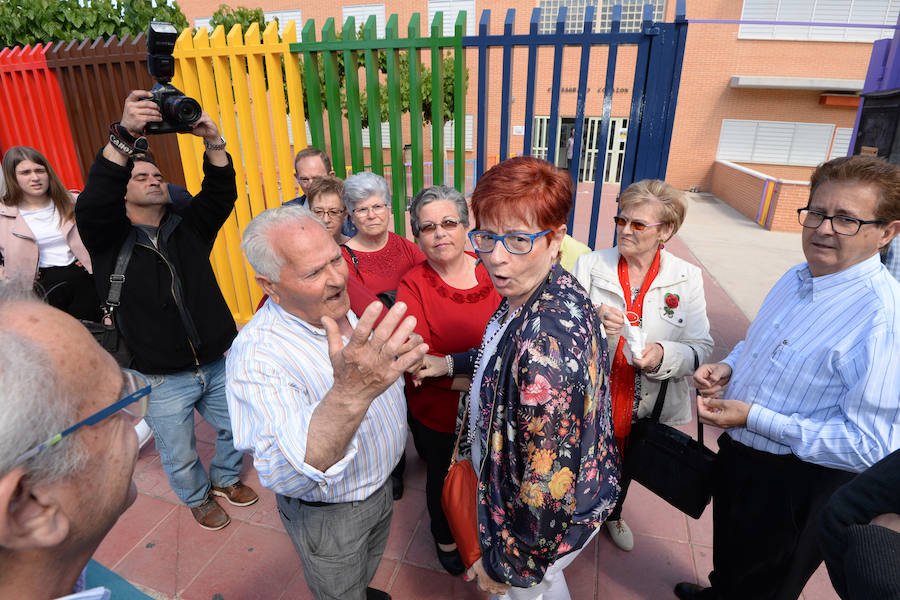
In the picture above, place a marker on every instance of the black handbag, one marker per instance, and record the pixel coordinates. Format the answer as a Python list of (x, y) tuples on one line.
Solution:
[(670, 463), (105, 331)]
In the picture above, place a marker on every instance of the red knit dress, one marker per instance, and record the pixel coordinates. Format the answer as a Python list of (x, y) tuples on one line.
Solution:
[(450, 320)]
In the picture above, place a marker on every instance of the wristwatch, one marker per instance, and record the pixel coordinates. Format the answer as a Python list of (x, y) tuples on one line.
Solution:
[(219, 146)]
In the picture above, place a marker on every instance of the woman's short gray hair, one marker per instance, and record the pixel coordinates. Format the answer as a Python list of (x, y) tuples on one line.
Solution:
[(361, 186), (257, 245), (433, 194)]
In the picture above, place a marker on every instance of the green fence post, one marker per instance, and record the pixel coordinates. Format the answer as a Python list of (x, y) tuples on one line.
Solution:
[(415, 106), (398, 174), (373, 97), (333, 98), (313, 90), (437, 100), (459, 105), (351, 85)]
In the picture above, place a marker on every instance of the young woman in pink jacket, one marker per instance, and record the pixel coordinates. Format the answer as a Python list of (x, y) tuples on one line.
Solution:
[(39, 244)]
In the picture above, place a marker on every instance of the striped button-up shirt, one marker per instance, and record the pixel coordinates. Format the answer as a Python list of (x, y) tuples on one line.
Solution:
[(278, 371), (891, 257), (821, 365)]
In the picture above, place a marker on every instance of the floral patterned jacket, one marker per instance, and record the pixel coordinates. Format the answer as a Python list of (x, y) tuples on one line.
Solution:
[(550, 475)]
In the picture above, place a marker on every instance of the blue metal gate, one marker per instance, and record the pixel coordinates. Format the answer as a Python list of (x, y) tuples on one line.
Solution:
[(660, 51)]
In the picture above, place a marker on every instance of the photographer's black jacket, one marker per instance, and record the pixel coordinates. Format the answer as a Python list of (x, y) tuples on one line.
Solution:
[(172, 314)]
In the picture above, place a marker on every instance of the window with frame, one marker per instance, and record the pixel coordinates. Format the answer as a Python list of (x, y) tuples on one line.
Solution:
[(451, 8), (775, 142), (361, 12), (863, 12), (632, 14)]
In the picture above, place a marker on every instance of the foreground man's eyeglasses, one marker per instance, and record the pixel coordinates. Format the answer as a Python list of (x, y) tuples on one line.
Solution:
[(136, 388)]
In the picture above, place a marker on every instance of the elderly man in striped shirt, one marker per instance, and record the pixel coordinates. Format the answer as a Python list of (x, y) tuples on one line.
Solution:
[(316, 396), (812, 395)]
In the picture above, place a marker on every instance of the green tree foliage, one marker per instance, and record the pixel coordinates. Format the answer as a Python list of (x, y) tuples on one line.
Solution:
[(229, 17), (33, 21)]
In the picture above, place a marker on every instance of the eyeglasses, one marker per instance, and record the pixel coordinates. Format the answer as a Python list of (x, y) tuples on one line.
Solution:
[(841, 224), (447, 225), (515, 243), (136, 389), (305, 180), (332, 213), (375, 208), (636, 225)]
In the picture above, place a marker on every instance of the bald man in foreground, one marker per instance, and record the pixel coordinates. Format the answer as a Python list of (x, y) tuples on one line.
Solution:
[(67, 448)]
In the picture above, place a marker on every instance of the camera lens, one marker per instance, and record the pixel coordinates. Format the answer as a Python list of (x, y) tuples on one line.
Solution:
[(183, 110)]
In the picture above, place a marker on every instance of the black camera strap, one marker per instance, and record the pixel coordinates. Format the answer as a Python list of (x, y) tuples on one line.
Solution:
[(125, 143)]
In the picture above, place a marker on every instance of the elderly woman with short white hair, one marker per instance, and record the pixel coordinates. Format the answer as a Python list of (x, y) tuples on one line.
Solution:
[(376, 256)]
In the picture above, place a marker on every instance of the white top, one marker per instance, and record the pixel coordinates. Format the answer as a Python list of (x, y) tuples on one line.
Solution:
[(277, 372), (53, 250)]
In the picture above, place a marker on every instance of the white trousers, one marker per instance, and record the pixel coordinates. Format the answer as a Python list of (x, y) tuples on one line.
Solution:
[(553, 586)]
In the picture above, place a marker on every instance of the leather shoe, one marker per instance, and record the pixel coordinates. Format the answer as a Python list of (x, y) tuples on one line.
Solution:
[(210, 515), (236, 493), (689, 591), (450, 560), (373, 594), (396, 487)]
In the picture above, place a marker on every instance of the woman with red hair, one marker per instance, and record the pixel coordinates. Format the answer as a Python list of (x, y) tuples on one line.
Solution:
[(539, 425)]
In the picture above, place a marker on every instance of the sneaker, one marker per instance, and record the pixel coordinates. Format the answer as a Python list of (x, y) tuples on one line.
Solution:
[(210, 515), (620, 534), (237, 494)]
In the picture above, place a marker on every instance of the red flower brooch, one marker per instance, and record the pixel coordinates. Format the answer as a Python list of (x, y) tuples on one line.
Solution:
[(671, 301)]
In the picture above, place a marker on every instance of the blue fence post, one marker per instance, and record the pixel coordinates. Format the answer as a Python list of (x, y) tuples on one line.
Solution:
[(606, 115), (504, 90), (558, 46), (579, 107), (484, 28), (527, 143)]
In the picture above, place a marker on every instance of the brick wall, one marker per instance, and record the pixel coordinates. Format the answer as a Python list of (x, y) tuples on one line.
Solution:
[(713, 54), (788, 198), (743, 191), (740, 190)]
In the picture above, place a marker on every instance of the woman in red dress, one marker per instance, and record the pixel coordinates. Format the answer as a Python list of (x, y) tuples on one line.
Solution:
[(452, 300)]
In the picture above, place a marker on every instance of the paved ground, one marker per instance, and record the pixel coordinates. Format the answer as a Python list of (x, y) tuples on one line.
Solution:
[(157, 545)]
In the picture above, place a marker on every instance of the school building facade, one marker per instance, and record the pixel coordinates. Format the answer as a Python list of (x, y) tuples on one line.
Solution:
[(760, 104)]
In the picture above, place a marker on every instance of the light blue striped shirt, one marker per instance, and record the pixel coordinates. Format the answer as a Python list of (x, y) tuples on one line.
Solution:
[(891, 258), (821, 365), (278, 371)]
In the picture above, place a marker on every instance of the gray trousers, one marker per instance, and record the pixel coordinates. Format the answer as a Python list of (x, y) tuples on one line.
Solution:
[(340, 545)]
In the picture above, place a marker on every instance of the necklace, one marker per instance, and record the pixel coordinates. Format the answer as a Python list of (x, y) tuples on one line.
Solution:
[(500, 320)]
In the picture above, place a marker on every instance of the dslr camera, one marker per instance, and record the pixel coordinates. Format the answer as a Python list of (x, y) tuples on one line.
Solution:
[(179, 112)]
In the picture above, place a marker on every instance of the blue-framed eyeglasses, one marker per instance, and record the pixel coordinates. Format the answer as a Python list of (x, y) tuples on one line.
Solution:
[(515, 243), (135, 388)]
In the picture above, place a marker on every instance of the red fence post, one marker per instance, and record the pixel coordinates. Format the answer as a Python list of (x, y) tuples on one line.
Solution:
[(33, 112)]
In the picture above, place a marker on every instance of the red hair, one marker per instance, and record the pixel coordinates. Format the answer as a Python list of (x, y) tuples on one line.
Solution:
[(524, 187)]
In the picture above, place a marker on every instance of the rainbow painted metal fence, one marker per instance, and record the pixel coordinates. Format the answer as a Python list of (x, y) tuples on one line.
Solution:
[(254, 85)]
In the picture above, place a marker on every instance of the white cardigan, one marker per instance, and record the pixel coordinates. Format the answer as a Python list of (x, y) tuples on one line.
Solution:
[(687, 327)]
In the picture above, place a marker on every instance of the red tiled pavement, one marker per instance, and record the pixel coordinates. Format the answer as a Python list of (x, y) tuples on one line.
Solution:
[(157, 546)]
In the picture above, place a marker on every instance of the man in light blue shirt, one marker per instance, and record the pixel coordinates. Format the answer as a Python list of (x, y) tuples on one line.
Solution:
[(318, 401), (812, 395)]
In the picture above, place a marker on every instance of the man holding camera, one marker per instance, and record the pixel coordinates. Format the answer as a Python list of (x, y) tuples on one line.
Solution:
[(171, 315)]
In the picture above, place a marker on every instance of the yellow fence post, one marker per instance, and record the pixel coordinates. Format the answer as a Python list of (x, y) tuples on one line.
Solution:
[(238, 80)]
